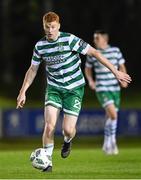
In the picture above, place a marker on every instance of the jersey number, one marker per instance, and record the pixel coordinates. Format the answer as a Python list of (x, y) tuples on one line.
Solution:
[(77, 104)]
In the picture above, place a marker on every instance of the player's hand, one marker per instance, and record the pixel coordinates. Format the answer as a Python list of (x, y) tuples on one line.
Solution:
[(123, 77), (123, 84), (21, 101), (92, 85)]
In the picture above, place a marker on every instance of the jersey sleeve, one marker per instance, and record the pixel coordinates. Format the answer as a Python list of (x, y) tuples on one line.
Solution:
[(78, 45), (120, 58), (36, 57), (90, 61)]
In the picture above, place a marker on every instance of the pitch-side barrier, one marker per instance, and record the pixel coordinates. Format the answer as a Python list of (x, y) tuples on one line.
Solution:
[(30, 122)]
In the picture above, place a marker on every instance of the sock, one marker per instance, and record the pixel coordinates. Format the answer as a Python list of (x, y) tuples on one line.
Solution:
[(67, 139), (107, 133), (49, 148), (113, 130)]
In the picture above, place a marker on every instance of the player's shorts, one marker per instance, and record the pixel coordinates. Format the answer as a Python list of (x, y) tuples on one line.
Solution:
[(68, 100), (107, 97)]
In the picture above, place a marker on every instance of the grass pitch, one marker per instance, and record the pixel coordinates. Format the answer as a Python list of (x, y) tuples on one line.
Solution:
[(86, 161)]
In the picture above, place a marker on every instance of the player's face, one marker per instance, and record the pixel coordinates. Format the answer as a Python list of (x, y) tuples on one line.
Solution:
[(52, 30), (99, 40)]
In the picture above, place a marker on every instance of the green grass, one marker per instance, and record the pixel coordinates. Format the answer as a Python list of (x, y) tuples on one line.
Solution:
[(86, 161)]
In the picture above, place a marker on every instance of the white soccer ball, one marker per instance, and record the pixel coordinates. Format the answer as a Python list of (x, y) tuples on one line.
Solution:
[(40, 159)]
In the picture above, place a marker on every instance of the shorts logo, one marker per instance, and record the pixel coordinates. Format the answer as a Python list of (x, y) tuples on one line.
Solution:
[(105, 98), (77, 104)]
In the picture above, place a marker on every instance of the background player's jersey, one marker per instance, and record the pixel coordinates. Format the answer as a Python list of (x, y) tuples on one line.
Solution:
[(62, 60), (105, 79)]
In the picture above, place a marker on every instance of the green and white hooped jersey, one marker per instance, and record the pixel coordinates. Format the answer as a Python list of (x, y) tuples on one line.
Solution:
[(105, 79), (62, 60)]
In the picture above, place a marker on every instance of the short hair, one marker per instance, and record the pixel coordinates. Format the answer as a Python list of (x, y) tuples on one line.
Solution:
[(101, 31), (50, 17)]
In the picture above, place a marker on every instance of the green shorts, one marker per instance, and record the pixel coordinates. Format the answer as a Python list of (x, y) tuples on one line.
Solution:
[(68, 100), (107, 97)]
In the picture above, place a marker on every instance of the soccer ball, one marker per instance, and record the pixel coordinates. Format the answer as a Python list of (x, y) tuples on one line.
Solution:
[(39, 159)]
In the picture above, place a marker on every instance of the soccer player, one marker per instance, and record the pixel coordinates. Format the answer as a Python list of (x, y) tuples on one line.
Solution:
[(107, 86), (65, 81)]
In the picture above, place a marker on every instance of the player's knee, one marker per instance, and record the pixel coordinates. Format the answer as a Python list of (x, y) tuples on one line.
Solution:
[(113, 116), (68, 131), (49, 129)]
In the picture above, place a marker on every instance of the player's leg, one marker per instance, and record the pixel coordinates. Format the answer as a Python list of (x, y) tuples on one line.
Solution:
[(51, 112), (71, 107), (111, 112), (105, 100), (69, 131), (107, 137)]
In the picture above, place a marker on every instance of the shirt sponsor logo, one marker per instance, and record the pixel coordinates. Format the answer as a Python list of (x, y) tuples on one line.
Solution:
[(51, 60)]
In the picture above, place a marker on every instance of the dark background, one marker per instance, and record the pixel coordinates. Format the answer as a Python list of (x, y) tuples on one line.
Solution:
[(21, 28)]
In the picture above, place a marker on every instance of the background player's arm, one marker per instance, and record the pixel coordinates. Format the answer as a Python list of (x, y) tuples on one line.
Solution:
[(89, 77), (29, 77), (121, 76), (122, 68)]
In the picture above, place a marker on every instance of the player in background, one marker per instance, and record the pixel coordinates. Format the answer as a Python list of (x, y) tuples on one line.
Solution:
[(107, 86), (65, 81)]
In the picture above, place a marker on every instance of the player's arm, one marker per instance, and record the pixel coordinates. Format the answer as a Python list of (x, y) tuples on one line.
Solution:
[(122, 68), (121, 76), (89, 77), (29, 77)]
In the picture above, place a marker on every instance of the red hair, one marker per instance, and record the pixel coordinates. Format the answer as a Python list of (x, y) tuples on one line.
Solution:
[(50, 17)]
